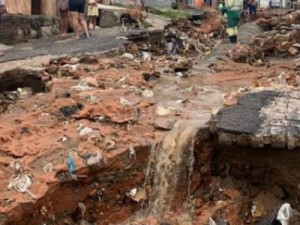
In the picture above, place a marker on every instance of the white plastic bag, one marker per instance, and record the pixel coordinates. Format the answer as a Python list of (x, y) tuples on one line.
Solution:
[(284, 214), (211, 222)]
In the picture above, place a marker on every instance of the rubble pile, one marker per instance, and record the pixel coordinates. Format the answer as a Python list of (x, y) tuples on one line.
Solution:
[(181, 37), (279, 38), (88, 144), (278, 43), (189, 38), (282, 36), (95, 110), (267, 14)]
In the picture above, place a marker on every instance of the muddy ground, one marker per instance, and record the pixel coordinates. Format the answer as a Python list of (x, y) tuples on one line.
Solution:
[(109, 114)]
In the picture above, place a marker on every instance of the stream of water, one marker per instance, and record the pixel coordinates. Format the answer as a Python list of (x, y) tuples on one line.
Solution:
[(173, 168)]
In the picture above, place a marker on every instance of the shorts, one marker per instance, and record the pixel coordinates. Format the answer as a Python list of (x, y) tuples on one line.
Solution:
[(233, 18), (63, 5), (77, 6)]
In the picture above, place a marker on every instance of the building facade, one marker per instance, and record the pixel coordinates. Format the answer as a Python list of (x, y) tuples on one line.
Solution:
[(32, 7)]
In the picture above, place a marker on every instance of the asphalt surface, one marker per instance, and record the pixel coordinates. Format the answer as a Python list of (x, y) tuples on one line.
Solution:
[(101, 40)]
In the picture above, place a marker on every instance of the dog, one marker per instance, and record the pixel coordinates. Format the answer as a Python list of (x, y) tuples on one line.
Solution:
[(132, 18)]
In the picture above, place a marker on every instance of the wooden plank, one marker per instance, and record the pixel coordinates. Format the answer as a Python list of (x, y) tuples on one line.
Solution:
[(111, 8)]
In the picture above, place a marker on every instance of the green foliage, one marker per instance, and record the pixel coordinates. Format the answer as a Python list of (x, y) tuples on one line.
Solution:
[(170, 13), (146, 24)]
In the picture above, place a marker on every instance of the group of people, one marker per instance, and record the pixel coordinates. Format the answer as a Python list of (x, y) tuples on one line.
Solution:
[(73, 12)]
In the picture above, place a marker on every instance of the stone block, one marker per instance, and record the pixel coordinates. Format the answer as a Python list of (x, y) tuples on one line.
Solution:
[(291, 137), (213, 126), (294, 94), (279, 110), (292, 109), (278, 122), (281, 104), (108, 19), (225, 139), (282, 98), (294, 102), (293, 116), (277, 116), (295, 123), (278, 136), (266, 111), (257, 141), (243, 140)]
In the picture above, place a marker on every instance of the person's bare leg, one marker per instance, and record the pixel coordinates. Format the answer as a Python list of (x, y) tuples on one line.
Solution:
[(61, 23), (74, 23), (64, 24), (89, 22), (94, 22), (83, 24)]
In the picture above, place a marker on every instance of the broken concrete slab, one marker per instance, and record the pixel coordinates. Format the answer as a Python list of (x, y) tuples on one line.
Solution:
[(255, 117)]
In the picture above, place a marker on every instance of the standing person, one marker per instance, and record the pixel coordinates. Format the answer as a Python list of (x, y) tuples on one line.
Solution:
[(2, 11), (252, 7), (222, 7), (233, 12), (93, 13), (63, 8), (76, 14)]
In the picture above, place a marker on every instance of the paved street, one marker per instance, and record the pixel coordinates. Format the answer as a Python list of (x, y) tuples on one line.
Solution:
[(101, 40)]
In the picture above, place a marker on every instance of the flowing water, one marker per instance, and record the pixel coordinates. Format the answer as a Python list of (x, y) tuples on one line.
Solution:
[(173, 166), (168, 176)]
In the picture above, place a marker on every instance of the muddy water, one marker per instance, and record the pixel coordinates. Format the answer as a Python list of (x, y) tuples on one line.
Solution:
[(174, 158), (172, 165), (188, 96)]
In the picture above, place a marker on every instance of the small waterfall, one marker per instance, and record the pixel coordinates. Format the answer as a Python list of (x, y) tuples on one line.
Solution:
[(173, 167)]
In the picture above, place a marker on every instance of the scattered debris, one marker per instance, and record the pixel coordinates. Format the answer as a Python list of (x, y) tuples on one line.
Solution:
[(211, 222), (68, 111), (90, 81), (109, 144), (132, 153), (164, 123), (128, 56), (162, 111), (284, 214), (71, 166), (147, 93), (83, 130), (22, 183), (48, 168), (137, 194), (17, 165), (94, 159)]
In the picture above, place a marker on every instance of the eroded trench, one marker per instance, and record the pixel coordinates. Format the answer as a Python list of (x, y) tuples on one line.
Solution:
[(188, 172)]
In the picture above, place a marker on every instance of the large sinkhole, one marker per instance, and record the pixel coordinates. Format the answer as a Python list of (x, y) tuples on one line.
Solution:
[(264, 178), (251, 174)]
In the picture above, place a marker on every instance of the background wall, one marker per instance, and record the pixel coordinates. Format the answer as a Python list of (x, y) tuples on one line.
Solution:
[(19, 6), (48, 7)]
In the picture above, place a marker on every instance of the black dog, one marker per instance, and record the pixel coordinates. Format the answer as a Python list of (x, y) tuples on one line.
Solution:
[(128, 22)]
